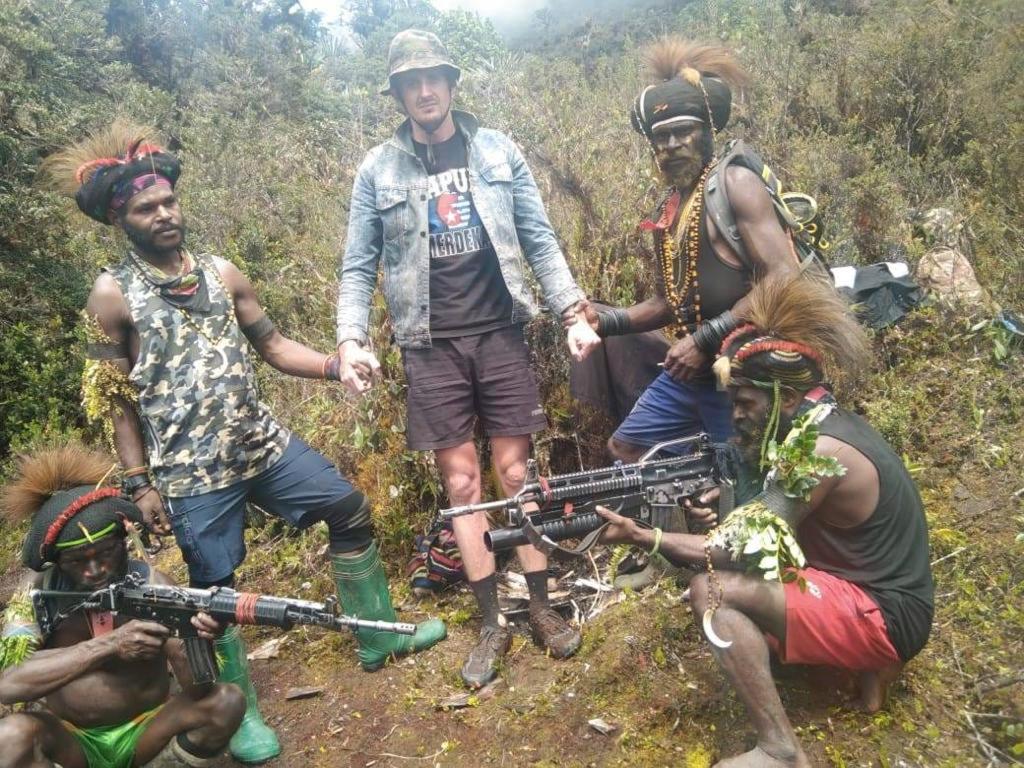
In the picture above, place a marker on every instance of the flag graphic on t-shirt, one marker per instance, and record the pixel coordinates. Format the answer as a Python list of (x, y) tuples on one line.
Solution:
[(455, 227)]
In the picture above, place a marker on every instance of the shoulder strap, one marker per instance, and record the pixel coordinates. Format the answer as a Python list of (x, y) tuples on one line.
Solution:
[(716, 196)]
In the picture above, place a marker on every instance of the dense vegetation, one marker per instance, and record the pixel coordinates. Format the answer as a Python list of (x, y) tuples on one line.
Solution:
[(879, 109)]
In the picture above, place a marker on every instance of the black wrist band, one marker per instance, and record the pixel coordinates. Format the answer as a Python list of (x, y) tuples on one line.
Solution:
[(710, 334), (131, 484), (613, 322)]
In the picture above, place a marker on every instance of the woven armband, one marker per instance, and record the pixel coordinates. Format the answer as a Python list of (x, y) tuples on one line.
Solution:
[(709, 335), (259, 329), (784, 507), (613, 322)]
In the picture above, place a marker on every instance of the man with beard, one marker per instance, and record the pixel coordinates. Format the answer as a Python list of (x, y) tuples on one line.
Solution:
[(864, 601), (102, 682), (448, 209), (701, 280), (169, 367)]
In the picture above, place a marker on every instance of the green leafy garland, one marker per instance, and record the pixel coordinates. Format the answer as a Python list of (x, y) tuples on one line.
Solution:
[(20, 636), (753, 534)]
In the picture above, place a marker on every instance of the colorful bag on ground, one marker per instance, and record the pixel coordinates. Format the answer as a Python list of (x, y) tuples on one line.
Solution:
[(437, 563)]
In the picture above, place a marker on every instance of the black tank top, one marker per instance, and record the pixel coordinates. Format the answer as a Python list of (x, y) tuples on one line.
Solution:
[(887, 554), (721, 285)]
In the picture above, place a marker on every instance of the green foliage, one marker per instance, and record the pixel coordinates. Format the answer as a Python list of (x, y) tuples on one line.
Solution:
[(798, 469)]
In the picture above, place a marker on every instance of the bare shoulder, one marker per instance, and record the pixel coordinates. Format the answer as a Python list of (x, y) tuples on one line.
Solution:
[(746, 189), (107, 303), (105, 289), (233, 277)]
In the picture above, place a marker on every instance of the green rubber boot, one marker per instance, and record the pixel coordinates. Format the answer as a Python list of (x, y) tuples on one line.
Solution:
[(363, 591), (254, 741)]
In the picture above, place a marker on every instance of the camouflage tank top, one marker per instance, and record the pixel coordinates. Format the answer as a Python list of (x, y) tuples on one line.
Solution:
[(203, 423)]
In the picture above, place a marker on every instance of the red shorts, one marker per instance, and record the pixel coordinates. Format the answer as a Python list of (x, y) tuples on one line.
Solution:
[(834, 623)]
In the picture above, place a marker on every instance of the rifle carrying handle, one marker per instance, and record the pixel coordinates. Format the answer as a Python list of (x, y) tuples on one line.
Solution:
[(201, 659)]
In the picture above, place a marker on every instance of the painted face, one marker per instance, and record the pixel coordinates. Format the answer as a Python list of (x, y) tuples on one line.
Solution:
[(153, 221), (94, 566), (679, 150), (426, 96), (750, 410)]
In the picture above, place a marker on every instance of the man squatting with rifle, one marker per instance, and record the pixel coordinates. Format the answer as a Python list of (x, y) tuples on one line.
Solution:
[(106, 688), (168, 364), (865, 599), (447, 209), (703, 275)]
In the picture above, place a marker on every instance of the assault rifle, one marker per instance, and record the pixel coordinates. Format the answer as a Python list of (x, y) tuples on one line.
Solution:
[(649, 491), (175, 606)]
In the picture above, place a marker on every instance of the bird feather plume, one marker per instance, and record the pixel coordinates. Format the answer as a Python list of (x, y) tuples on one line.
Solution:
[(67, 169), (808, 310), (48, 471), (672, 56)]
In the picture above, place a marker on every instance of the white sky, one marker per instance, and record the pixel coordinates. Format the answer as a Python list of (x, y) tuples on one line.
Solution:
[(498, 12)]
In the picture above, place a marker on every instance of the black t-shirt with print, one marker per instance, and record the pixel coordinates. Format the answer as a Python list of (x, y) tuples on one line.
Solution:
[(467, 292)]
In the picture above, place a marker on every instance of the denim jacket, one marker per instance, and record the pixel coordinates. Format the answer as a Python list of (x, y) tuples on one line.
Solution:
[(388, 229)]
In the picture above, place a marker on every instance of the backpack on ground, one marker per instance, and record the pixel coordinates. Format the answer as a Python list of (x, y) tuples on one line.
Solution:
[(798, 212)]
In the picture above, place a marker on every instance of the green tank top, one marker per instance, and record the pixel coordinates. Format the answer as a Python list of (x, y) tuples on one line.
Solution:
[(203, 423)]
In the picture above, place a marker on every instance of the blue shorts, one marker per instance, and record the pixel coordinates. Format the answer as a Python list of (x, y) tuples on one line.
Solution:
[(209, 527), (669, 409)]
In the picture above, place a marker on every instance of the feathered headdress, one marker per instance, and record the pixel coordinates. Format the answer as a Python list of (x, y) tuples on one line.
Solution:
[(693, 84), (60, 489), (798, 332), (108, 168)]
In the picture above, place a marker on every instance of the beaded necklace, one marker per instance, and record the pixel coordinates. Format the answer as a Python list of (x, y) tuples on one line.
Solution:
[(680, 277)]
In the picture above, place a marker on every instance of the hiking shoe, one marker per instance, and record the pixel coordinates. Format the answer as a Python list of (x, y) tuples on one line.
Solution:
[(482, 665), (553, 633)]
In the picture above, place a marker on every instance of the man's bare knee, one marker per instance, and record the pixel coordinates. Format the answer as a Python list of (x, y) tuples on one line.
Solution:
[(622, 451), (462, 485), (512, 475), (20, 736), (226, 705)]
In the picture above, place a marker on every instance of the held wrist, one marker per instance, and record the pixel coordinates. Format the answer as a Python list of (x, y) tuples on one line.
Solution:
[(613, 322)]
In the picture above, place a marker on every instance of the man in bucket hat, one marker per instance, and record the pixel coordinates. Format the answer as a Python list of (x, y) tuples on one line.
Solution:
[(446, 209)]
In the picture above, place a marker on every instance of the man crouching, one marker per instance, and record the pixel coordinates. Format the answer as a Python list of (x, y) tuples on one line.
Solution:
[(834, 550), (104, 685)]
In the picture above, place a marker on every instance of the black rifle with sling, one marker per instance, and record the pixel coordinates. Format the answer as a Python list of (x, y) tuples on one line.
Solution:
[(648, 491), (174, 607)]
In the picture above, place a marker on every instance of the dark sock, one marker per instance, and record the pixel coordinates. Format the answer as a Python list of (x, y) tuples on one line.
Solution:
[(190, 746), (537, 583), (486, 592)]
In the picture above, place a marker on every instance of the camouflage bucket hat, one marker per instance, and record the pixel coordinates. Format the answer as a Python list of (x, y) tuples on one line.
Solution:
[(416, 49)]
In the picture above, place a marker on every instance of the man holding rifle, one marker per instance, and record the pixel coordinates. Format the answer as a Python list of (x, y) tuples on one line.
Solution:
[(859, 594), (169, 366), (104, 682)]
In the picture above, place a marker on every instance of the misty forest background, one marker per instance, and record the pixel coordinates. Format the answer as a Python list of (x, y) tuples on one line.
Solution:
[(878, 109)]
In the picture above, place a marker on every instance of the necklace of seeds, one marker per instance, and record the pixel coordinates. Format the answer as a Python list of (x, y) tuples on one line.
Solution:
[(680, 278), (214, 340)]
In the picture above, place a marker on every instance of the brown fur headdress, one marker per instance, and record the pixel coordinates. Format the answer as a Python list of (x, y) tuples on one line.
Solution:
[(103, 171), (797, 331), (59, 489)]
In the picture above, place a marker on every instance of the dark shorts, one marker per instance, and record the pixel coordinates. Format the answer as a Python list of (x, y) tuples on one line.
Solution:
[(835, 623), (209, 527), (669, 409), (458, 380)]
